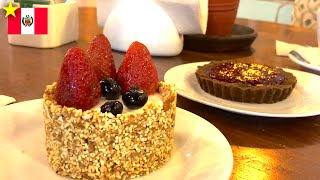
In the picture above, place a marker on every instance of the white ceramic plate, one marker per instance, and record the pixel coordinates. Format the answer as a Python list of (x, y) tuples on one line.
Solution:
[(201, 151), (304, 100), (312, 55)]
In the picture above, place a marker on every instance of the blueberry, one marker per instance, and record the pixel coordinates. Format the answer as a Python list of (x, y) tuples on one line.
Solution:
[(135, 98), (115, 107), (110, 89)]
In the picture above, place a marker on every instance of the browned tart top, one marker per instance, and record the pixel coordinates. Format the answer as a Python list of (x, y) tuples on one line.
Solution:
[(252, 74)]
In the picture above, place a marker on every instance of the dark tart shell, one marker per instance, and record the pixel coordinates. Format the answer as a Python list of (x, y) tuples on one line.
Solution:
[(244, 92)]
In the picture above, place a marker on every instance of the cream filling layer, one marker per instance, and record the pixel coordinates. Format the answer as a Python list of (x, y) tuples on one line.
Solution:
[(155, 99)]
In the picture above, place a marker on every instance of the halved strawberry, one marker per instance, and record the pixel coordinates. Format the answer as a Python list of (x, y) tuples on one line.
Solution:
[(137, 69), (78, 85), (100, 56)]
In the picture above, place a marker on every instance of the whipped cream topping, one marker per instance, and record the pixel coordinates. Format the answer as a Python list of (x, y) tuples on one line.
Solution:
[(155, 98)]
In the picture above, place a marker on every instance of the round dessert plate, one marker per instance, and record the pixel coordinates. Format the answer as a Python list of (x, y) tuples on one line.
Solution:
[(303, 101), (201, 151)]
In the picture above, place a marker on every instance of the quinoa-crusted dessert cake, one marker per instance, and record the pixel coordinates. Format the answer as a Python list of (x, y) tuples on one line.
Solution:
[(114, 141), (245, 82)]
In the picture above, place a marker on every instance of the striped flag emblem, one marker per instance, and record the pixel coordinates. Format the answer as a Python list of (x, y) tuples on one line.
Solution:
[(29, 21)]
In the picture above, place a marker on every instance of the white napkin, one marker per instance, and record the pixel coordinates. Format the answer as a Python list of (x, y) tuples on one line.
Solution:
[(283, 48), (305, 56), (5, 100), (189, 16), (311, 54)]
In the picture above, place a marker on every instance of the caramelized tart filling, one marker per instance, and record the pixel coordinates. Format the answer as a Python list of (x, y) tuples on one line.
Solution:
[(251, 74)]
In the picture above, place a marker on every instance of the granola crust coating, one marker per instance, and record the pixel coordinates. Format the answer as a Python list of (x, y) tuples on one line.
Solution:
[(94, 145)]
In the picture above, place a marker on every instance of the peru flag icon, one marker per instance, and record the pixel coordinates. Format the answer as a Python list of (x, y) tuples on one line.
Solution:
[(29, 21)]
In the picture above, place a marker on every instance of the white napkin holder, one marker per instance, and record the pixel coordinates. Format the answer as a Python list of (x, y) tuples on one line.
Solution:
[(63, 27), (146, 22), (189, 16), (159, 24)]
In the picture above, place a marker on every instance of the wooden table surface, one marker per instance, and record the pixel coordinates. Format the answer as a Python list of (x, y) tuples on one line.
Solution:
[(263, 148)]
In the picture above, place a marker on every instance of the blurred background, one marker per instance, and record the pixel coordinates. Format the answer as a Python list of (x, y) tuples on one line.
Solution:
[(291, 12), (266, 10), (87, 3)]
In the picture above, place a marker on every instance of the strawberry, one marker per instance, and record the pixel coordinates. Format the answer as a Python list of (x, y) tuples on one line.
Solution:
[(137, 69), (78, 85), (100, 56)]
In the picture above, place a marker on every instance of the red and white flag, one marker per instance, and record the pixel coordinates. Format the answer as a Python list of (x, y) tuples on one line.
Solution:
[(29, 21)]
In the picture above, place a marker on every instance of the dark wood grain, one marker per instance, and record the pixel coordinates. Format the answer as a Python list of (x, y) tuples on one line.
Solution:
[(263, 148)]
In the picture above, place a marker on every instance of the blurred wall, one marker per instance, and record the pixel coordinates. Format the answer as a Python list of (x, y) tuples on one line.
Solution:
[(87, 3), (265, 10)]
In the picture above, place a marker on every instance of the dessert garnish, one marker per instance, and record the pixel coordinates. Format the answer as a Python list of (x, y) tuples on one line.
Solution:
[(135, 98), (138, 69), (115, 107), (100, 57), (78, 85), (110, 89), (253, 74)]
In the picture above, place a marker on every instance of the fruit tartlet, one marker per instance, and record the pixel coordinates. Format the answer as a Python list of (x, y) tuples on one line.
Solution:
[(84, 142), (245, 82)]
